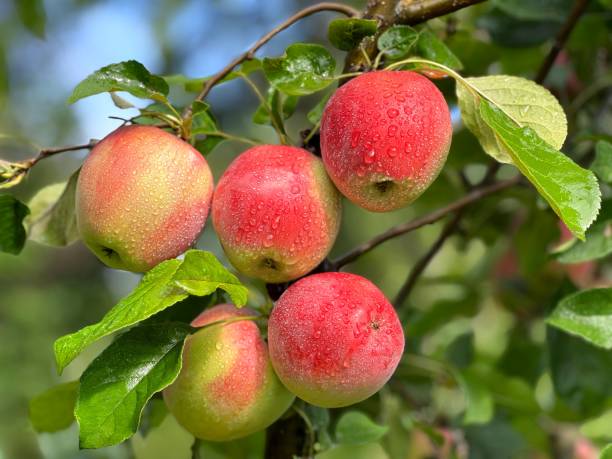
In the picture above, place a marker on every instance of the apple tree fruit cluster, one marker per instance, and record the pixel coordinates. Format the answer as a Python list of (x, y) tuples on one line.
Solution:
[(331, 338)]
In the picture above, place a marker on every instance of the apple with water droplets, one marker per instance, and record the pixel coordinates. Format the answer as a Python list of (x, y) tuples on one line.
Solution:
[(276, 212), (227, 387), (385, 136), (142, 197), (334, 339)]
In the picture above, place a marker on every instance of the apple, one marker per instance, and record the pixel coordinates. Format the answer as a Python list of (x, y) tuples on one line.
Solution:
[(227, 387), (276, 212), (385, 136), (142, 197), (334, 339)]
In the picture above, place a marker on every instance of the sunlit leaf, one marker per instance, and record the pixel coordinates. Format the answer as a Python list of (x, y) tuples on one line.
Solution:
[(587, 314), (201, 274), (302, 70), (572, 192), (526, 102), (129, 76), (119, 382), (155, 293)]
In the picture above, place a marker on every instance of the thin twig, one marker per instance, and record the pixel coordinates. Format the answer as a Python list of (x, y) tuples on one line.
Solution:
[(411, 12), (250, 53), (560, 40), (428, 219), (46, 152), (421, 265)]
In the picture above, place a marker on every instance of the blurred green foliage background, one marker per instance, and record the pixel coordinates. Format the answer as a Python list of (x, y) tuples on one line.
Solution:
[(481, 304)]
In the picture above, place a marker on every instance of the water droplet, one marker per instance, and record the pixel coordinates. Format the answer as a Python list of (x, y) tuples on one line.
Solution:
[(317, 334), (392, 130), (392, 113), (355, 138), (295, 189), (400, 98), (361, 171), (268, 240), (218, 346), (345, 364), (368, 158), (392, 152)]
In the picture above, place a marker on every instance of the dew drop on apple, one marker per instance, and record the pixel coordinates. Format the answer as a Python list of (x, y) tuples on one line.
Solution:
[(369, 156)]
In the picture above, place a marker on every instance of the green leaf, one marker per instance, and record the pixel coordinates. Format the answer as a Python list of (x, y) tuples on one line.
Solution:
[(347, 33), (129, 76), (53, 410), (201, 274), (398, 41), (480, 407), (52, 220), (587, 314), (302, 70), (155, 293), (598, 243), (204, 123), (196, 84), (12, 232), (606, 453), (602, 164), (580, 372), (32, 15), (572, 192), (314, 115), (526, 102), (355, 428), (119, 382), (281, 105), (431, 47)]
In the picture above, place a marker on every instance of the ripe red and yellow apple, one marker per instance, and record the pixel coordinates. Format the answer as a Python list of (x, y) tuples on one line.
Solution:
[(142, 197), (276, 212), (334, 339), (385, 136), (226, 388)]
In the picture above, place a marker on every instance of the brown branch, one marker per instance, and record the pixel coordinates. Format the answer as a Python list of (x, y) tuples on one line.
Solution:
[(421, 265), (250, 53), (428, 219), (46, 152), (390, 12), (560, 40), (412, 12)]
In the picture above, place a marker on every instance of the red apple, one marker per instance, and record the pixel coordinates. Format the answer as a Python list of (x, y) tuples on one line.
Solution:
[(334, 339), (142, 197), (384, 138), (276, 212), (226, 388)]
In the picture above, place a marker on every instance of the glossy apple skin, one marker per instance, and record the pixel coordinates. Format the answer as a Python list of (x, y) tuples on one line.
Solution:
[(334, 339), (227, 387), (276, 212), (385, 136), (142, 197)]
